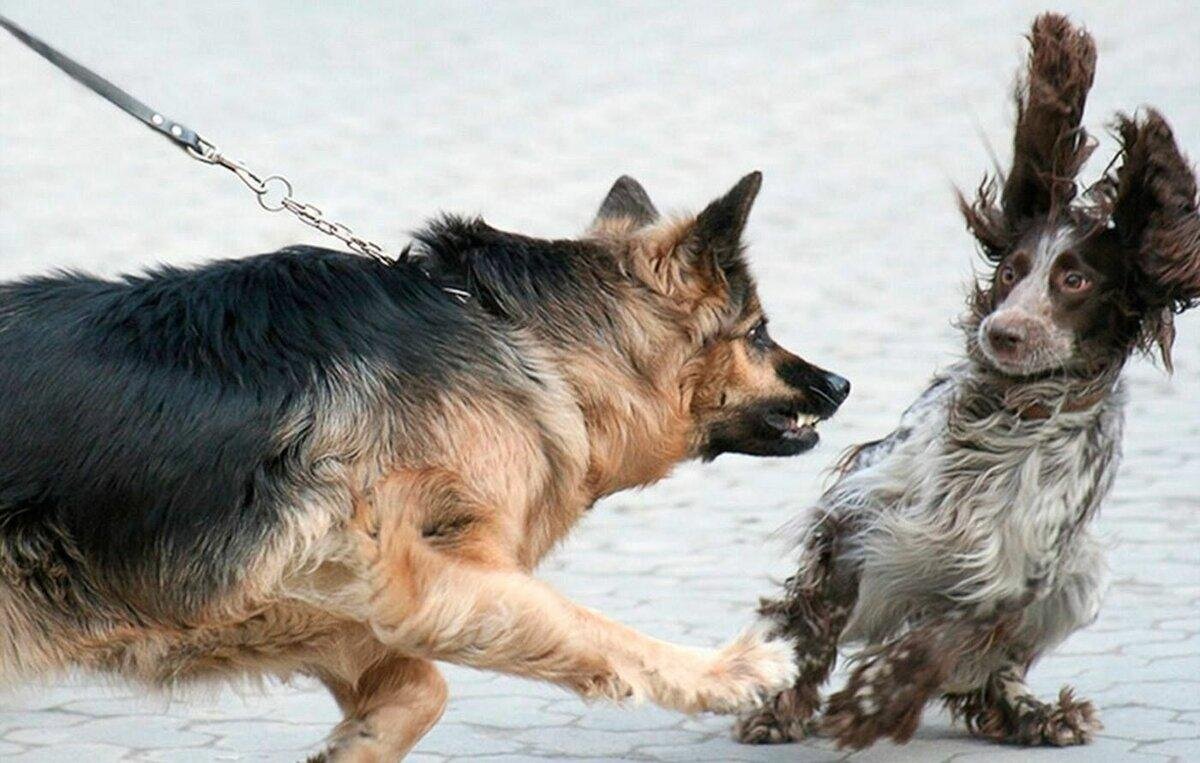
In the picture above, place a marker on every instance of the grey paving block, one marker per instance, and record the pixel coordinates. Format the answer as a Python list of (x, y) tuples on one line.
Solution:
[(73, 753), (263, 736)]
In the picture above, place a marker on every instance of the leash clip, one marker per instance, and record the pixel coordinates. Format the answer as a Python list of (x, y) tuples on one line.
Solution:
[(203, 150)]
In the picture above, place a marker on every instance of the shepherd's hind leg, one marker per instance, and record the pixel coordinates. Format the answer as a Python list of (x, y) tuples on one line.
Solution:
[(811, 614), (1005, 710), (389, 708)]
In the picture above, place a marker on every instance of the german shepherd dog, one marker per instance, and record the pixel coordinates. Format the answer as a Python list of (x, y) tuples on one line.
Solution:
[(308, 462), (956, 551)]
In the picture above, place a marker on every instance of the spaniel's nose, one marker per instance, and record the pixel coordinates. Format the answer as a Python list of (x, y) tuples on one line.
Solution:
[(1005, 337)]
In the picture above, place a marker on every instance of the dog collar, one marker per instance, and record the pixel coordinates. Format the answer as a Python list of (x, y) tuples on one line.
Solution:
[(1041, 411)]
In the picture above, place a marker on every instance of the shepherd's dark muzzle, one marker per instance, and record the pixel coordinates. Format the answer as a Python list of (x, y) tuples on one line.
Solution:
[(826, 390), (784, 424)]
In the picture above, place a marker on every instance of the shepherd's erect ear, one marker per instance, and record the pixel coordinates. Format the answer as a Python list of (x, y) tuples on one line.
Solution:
[(627, 199), (700, 257), (718, 229), (1155, 213)]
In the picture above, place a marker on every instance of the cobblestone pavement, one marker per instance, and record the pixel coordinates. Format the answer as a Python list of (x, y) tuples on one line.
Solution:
[(861, 117)]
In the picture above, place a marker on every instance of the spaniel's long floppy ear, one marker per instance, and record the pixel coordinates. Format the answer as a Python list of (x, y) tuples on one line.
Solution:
[(1049, 144), (1155, 213), (629, 201)]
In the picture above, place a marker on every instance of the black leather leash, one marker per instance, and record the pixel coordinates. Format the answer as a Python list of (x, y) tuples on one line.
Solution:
[(274, 192), (179, 134)]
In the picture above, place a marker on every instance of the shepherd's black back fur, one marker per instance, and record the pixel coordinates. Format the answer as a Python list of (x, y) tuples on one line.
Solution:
[(141, 415), (566, 287)]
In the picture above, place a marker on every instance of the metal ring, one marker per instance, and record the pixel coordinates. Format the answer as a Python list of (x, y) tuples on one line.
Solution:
[(286, 192)]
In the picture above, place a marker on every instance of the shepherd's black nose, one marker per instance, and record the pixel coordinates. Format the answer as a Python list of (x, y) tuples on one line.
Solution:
[(839, 387)]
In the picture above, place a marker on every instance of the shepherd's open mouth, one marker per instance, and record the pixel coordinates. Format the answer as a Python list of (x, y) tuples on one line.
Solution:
[(777, 431), (798, 430), (795, 426)]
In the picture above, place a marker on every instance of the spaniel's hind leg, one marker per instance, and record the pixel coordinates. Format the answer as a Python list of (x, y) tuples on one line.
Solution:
[(811, 614), (392, 704), (1005, 710)]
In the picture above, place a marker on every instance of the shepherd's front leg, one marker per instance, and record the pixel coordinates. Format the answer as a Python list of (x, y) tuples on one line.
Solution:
[(431, 600), (507, 621), (392, 704)]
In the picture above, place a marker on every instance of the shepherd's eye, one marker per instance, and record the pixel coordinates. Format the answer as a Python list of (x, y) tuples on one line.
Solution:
[(1008, 274), (1073, 280), (758, 335)]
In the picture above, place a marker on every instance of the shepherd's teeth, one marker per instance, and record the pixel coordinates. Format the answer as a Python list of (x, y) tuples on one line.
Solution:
[(807, 419)]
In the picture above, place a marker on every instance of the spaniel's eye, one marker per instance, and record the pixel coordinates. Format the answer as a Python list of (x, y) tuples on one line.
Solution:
[(758, 335), (1008, 274), (1073, 280)]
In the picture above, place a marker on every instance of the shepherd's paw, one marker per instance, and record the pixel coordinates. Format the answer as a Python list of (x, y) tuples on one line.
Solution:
[(747, 671)]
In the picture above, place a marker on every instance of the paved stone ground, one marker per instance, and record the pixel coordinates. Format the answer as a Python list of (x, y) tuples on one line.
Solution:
[(861, 117)]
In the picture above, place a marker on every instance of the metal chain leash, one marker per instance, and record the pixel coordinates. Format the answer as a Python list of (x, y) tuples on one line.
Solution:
[(274, 194)]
